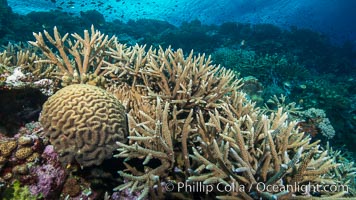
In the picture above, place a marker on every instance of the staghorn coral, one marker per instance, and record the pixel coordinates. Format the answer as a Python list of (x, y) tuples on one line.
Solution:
[(257, 152), (83, 123), (312, 121), (196, 137), (275, 102), (20, 55), (20, 69), (187, 82), (184, 84), (345, 173), (233, 146), (88, 53)]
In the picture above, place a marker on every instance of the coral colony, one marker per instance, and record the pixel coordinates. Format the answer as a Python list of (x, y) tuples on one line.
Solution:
[(84, 123), (168, 124)]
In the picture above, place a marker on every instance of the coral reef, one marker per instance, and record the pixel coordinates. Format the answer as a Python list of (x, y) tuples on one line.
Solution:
[(264, 67), (188, 122), (78, 188), (225, 149), (83, 123), (71, 188), (23, 90), (294, 50)]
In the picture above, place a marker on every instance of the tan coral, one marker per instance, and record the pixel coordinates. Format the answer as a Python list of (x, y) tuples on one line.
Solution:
[(25, 140), (218, 135), (23, 153), (3, 160), (34, 157), (20, 169), (88, 53), (83, 123), (6, 147), (23, 55), (187, 82)]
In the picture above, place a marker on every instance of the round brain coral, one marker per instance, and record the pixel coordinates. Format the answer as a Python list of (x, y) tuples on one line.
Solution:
[(83, 123)]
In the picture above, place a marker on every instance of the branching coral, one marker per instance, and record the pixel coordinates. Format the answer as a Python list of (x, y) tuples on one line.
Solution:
[(19, 69), (345, 173), (19, 55), (88, 53), (191, 82), (254, 149), (207, 139), (281, 102), (154, 133), (257, 151)]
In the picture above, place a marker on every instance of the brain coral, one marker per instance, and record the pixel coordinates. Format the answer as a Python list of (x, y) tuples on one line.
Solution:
[(84, 123)]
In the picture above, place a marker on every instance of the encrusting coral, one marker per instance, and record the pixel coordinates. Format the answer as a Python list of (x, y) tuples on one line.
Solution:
[(83, 122), (188, 123), (17, 155)]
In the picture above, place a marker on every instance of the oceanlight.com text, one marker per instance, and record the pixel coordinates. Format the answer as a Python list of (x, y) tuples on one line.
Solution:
[(191, 187)]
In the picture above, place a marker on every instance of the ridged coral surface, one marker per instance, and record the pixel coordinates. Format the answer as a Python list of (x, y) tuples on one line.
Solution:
[(84, 123)]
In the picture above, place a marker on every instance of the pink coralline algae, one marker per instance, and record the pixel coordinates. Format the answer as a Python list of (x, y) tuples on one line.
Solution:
[(50, 155), (50, 175)]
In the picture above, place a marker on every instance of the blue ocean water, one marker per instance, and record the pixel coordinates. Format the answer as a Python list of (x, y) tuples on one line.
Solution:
[(333, 17)]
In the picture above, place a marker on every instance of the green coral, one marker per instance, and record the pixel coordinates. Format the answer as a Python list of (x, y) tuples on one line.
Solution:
[(18, 192)]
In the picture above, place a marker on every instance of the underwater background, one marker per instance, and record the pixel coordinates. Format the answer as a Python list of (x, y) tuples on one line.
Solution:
[(298, 55)]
